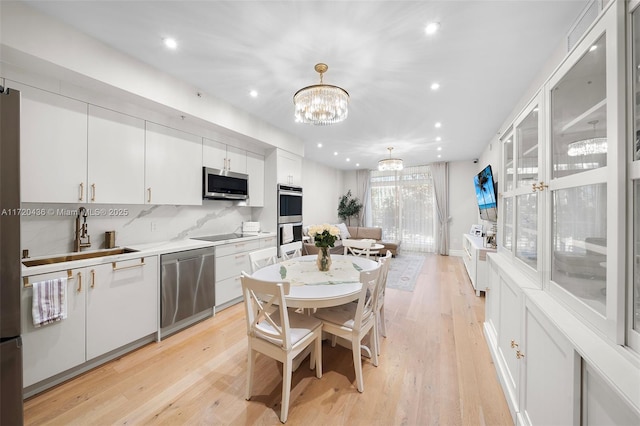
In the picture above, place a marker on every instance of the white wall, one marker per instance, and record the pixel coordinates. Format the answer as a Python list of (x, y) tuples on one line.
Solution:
[(323, 187), (463, 207)]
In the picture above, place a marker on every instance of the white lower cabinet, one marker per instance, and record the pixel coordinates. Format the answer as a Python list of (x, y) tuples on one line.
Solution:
[(53, 348), (109, 306), (543, 372), (122, 304), (231, 260), (549, 373)]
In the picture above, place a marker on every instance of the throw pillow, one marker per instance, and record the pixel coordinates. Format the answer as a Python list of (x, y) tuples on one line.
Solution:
[(344, 232)]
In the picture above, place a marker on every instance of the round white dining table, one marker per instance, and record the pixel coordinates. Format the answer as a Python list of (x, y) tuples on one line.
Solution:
[(320, 292)]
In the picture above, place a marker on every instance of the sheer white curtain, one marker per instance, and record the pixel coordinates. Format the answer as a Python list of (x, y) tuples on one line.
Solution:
[(403, 205), (363, 188), (440, 173)]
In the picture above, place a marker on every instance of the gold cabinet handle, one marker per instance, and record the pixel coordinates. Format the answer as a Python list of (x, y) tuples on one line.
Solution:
[(81, 192), (93, 278), (93, 192), (149, 195), (79, 282), (519, 354), (115, 267), (514, 344)]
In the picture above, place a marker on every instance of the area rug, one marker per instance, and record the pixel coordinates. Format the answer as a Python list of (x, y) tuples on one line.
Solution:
[(404, 271)]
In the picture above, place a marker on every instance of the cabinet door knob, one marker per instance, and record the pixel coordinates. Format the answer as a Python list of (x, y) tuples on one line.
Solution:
[(519, 354), (514, 344)]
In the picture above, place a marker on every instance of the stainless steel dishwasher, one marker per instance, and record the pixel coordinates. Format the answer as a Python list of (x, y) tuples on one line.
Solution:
[(187, 287)]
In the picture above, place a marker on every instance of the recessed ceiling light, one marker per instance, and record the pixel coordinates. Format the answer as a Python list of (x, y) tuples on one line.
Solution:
[(439, 148), (439, 156), (357, 164), (435, 86), (335, 153), (253, 93), (438, 139), (431, 28), (319, 145), (438, 125), (348, 159), (592, 48), (170, 43)]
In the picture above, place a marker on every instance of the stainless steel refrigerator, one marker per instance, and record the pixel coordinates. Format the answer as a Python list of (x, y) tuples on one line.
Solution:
[(11, 407)]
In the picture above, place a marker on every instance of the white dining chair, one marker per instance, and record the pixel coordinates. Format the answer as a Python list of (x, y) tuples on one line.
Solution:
[(278, 333), (291, 250), (263, 257), (357, 247), (353, 321), (380, 328)]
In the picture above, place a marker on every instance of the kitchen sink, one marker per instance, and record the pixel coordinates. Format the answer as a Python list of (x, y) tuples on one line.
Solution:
[(77, 256)]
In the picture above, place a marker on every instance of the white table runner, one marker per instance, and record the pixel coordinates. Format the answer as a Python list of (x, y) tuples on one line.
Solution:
[(306, 273)]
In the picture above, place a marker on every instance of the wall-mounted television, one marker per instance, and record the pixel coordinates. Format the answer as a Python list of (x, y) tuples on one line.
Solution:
[(486, 194)]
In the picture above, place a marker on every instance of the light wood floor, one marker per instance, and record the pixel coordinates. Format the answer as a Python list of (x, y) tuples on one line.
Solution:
[(435, 369)]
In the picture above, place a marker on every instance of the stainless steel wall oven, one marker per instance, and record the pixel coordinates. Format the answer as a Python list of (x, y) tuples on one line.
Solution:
[(289, 204)]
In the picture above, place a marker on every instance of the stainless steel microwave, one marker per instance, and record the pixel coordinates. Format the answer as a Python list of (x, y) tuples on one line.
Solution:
[(224, 185)]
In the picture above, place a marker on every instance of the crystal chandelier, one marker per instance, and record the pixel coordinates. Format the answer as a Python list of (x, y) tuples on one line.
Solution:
[(589, 146), (390, 163), (321, 104)]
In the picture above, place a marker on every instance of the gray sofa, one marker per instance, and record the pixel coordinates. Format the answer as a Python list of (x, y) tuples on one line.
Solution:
[(360, 233)]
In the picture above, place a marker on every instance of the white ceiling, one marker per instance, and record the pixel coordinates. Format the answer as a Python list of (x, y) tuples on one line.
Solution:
[(484, 56)]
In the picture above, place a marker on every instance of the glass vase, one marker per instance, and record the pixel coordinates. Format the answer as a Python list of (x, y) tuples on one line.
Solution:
[(324, 259)]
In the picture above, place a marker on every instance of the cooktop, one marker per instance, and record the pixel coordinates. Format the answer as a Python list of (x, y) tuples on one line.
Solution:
[(220, 237)]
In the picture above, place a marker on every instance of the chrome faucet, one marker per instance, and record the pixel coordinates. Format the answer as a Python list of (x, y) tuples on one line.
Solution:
[(82, 238)]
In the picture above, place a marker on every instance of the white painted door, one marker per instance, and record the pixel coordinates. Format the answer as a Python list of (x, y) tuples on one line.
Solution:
[(53, 147), (214, 154), (53, 348), (236, 159), (173, 166), (122, 304), (116, 157)]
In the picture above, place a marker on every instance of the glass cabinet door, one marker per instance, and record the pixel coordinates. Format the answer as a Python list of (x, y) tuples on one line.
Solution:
[(633, 335), (586, 98), (508, 185), (527, 133)]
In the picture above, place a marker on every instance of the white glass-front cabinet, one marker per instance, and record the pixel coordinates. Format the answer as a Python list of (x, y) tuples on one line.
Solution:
[(586, 110), (522, 195)]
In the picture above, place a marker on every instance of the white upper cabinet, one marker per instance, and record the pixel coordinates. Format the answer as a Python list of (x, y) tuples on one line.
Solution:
[(173, 166), (53, 147), (255, 169), (115, 157), (223, 157), (289, 168)]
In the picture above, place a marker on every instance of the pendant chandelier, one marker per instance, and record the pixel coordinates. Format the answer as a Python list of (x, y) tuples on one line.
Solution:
[(390, 163), (321, 104), (589, 146)]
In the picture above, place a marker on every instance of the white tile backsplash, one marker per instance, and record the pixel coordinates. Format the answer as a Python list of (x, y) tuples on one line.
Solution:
[(51, 230)]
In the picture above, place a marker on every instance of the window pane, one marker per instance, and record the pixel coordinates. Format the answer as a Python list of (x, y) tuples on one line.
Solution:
[(527, 150), (580, 244), (508, 164), (527, 226), (636, 255), (578, 115), (507, 232), (636, 81)]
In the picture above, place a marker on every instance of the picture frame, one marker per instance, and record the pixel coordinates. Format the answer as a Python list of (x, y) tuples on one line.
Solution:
[(476, 230)]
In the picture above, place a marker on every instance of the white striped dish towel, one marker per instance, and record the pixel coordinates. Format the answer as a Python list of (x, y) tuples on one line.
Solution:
[(49, 301)]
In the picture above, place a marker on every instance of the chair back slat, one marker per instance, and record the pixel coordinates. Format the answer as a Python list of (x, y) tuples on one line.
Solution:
[(291, 250), (357, 247), (385, 263), (263, 257), (368, 293), (266, 310)]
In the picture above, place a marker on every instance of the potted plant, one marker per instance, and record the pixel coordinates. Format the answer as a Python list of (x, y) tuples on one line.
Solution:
[(348, 206)]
